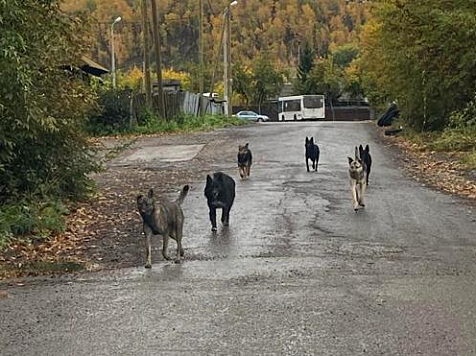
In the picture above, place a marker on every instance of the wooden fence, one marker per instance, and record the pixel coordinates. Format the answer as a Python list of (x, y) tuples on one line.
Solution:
[(179, 102)]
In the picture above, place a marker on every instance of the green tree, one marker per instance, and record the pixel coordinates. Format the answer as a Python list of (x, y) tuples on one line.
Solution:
[(420, 54), (306, 63), (267, 81), (242, 83), (344, 55), (327, 79), (43, 104)]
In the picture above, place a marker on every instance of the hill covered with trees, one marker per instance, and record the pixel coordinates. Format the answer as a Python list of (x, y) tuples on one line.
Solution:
[(279, 28)]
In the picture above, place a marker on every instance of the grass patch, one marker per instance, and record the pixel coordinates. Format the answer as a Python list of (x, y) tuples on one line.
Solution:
[(449, 140), (461, 141), (149, 123), (30, 220)]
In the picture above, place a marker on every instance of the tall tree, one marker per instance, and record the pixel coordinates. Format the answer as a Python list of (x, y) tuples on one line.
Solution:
[(42, 106), (421, 54), (242, 83), (327, 79), (306, 63), (267, 80)]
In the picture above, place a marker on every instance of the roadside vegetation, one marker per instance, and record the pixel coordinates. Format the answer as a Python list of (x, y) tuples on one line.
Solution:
[(112, 117), (45, 157), (420, 55), (48, 112)]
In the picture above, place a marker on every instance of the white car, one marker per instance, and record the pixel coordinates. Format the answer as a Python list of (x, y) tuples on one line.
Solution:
[(251, 116)]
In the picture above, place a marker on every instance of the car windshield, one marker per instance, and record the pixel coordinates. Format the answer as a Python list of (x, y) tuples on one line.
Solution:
[(313, 102)]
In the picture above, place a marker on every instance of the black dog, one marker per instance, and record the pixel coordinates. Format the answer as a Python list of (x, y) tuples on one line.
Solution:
[(367, 160), (220, 194), (312, 153)]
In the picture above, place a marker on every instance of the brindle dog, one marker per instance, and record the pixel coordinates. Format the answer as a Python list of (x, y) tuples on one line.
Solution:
[(245, 159), (160, 216)]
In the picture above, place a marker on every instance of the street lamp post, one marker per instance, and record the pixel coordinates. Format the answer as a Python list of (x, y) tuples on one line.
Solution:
[(227, 58), (113, 59)]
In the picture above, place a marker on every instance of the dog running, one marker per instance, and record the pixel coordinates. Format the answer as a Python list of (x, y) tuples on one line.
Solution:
[(366, 160), (357, 180), (312, 153), (160, 216), (244, 161), (220, 194)]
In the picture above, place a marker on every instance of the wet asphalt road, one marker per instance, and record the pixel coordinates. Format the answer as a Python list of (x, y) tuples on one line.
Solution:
[(297, 272)]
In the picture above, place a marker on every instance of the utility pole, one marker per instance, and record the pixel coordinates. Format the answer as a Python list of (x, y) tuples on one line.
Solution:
[(145, 37), (225, 62), (158, 59), (230, 88), (113, 54), (200, 54), (227, 58)]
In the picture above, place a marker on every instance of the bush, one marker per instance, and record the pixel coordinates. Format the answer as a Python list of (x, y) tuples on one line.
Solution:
[(31, 218), (112, 115), (45, 155)]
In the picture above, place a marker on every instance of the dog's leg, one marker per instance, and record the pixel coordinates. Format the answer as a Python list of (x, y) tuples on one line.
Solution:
[(178, 239), (165, 245), (248, 171), (367, 176), (362, 187), (148, 247), (242, 172), (213, 218), (225, 217), (355, 203), (307, 164)]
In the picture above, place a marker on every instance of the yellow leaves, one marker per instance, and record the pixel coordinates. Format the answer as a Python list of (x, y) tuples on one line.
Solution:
[(171, 73)]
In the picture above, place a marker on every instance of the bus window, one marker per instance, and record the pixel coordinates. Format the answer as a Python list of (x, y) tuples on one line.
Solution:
[(292, 105), (313, 102)]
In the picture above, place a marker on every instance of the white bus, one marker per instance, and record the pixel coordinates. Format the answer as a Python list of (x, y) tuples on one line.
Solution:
[(302, 107)]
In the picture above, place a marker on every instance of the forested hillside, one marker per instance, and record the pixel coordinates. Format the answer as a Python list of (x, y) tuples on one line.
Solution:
[(277, 27)]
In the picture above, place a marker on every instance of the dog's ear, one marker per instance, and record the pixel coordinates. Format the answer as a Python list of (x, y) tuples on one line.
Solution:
[(186, 188), (246, 145), (350, 160), (240, 147), (209, 180), (367, 148), (151, 193), (139, 197), (311, 141), (307, 140)]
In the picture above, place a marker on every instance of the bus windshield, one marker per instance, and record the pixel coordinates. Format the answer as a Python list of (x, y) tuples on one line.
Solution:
[(313, 102)]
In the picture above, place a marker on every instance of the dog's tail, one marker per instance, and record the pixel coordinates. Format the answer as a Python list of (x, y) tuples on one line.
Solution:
[(183, 194)]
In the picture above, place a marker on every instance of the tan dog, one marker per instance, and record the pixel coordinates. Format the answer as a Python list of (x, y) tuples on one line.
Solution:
[(160, 216), (357, 180)]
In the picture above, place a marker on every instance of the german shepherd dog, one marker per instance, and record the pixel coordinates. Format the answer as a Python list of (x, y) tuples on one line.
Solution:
[(160, 216), (366, 160), (312, 153), (357, 180), (244, 160), (220, 194)]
